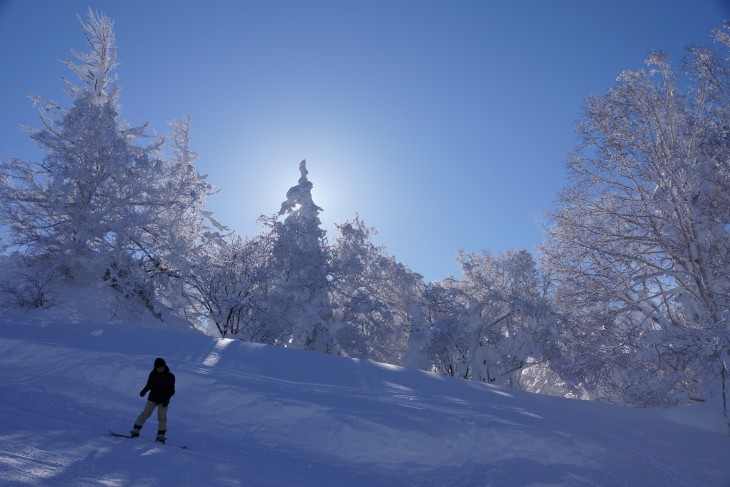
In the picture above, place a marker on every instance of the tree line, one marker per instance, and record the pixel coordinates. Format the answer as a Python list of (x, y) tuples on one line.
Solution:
[(627, 300)]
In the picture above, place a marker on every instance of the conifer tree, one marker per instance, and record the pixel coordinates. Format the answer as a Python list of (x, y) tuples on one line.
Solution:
[(300, 297)]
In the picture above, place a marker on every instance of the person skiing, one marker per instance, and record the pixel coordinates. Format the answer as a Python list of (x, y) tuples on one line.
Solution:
[(161, 385)]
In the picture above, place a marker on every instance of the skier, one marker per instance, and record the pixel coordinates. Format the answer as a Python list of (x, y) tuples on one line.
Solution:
[(161, 385)]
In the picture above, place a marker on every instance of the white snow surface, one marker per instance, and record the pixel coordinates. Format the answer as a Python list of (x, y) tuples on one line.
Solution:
[(255, 415)]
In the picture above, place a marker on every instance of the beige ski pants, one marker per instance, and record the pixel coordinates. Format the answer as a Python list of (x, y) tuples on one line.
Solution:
[(147, 412)]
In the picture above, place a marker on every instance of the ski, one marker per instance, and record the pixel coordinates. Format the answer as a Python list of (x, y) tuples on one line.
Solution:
[(120, 435)]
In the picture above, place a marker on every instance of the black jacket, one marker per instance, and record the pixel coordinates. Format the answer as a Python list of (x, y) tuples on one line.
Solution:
[(161, 386)]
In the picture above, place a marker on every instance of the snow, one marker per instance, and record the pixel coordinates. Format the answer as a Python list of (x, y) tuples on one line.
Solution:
[(256, 415)]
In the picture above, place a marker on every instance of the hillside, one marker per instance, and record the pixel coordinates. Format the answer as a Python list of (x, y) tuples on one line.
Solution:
[(259, 416)]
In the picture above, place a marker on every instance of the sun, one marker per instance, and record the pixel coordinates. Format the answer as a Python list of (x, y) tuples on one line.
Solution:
[(266, 165)]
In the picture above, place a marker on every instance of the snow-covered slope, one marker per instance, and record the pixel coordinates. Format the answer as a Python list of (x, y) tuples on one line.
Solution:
[(264, 416)]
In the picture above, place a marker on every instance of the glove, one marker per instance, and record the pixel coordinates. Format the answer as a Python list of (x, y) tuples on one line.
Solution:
[(142, 393)]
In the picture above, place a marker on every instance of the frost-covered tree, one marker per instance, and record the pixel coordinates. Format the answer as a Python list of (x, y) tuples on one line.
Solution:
[(372, 294), (448, 341), (103, 202), (639, 245), (229, 289), (493, 324), (87, 201), (182, 233), (299, 300)]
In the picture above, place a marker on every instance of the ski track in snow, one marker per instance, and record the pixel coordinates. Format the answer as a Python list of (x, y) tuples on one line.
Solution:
[(262, 416)]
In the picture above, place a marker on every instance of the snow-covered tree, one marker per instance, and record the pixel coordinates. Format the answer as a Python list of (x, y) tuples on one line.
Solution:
[(102, 202), (449, 341), (639, 245), (87, 201), (229, 287), (493, 324), (300, 296), (372, 294), (183, 232)]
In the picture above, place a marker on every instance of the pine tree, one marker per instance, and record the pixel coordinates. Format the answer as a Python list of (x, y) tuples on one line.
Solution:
[(300, 298)]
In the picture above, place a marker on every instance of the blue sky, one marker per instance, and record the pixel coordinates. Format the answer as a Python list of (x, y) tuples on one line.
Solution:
[(445, 125)]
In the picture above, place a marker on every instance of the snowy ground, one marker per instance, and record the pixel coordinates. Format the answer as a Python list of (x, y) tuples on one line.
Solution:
[(264, 416)]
